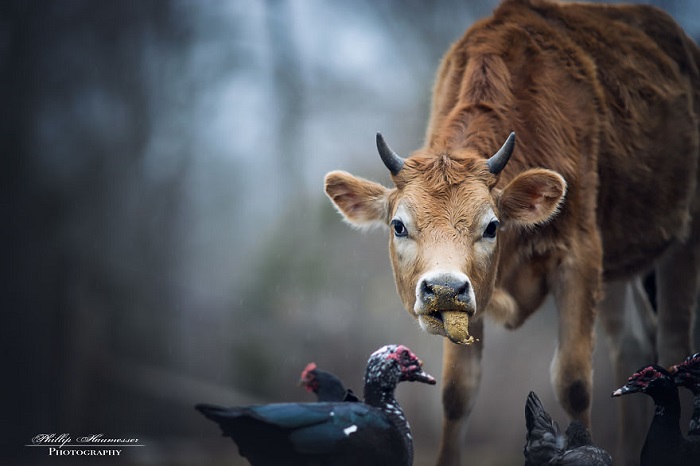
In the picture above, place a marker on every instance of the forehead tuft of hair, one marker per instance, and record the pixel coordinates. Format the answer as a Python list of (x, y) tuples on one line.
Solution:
[(444, 171)]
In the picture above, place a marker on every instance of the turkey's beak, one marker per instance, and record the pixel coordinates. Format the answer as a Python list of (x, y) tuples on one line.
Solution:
[(421, 376), (625, 390), (305, 381)]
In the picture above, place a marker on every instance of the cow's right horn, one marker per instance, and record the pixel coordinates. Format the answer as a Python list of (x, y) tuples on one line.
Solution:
[(390, 158), (500, 158)]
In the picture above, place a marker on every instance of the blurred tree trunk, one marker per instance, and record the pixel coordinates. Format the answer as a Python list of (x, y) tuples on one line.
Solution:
[(87, 247), (289, 95), (28, 338)]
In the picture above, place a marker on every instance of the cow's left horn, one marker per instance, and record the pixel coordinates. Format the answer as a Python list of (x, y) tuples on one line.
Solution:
[(500, 158), (390, 158)]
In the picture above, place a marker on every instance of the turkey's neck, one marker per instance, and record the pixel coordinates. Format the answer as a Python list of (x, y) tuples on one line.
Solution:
[(383, 398), (665, 430), (694, 428), (330, 393)]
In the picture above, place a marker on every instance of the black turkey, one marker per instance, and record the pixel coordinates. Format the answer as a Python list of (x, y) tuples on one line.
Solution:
[(326, 386), (545, 445), (687, 374), (374, 432), (665, 444)]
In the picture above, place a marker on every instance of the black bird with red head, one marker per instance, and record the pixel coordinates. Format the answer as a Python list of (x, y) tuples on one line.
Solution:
[(374, 432), (326, 386), (687, 374), (665, 444)]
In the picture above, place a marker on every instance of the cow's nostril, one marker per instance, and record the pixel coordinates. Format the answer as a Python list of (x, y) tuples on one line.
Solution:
[(426, 290), (462, 289)]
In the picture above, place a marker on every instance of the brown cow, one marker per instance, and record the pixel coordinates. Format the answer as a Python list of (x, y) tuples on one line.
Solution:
[(600, 188)]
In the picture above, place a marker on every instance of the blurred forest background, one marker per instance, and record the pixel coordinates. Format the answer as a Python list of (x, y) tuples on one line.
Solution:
[(166, 239)]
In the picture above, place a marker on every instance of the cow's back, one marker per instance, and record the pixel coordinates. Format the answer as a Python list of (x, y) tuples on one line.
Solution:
[(648, 70), (606, 95)]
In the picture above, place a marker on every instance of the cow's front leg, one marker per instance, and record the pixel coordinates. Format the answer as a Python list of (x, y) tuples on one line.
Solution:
[(576, 288), (461, 374)]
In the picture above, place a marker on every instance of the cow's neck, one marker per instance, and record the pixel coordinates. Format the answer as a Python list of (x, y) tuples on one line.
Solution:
[(478, 135), (478, 119)]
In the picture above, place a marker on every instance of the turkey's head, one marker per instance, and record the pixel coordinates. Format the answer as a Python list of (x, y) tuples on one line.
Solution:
[(652, 380), (309, 378), (392, 364), (687, 373)]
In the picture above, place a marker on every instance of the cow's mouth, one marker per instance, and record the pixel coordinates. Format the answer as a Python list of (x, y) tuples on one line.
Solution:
[(449, 323)]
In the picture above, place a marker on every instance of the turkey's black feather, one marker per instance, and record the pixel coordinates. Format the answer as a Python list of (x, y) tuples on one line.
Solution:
[(333, 433), (545, 445)]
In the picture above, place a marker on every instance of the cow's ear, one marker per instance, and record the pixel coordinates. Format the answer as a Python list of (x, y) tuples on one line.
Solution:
[(361, 202), (532, 197)]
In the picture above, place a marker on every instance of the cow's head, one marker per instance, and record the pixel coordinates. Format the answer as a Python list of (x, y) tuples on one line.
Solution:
[(444, 215)]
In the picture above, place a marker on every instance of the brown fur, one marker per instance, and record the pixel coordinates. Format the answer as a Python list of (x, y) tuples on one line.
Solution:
[(604, 102)]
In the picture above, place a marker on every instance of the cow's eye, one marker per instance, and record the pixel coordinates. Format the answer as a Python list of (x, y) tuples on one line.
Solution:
[(399, 228), (491, 229)]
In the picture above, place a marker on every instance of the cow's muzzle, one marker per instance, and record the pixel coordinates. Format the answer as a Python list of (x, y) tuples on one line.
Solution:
[(444, 303), (444, 291)]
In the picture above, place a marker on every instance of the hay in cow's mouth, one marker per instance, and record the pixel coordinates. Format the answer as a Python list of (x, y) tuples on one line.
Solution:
[(451, 324), (456, 324)]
